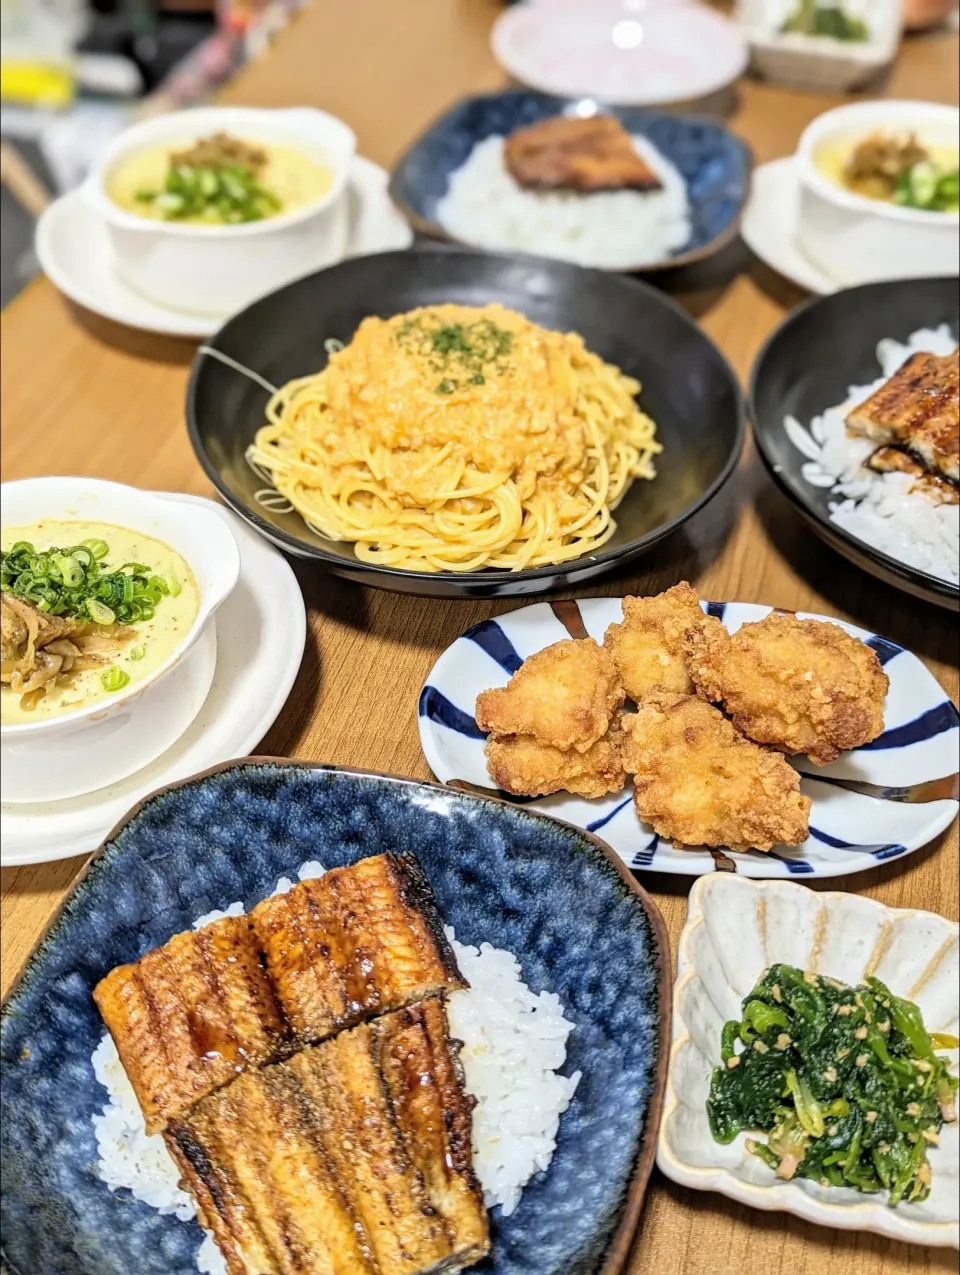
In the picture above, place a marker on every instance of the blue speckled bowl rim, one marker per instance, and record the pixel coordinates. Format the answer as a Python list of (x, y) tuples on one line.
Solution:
[(424, 225), (622, 1239)]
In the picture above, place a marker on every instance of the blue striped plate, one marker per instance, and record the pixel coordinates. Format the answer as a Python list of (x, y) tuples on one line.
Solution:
[(874, 804)]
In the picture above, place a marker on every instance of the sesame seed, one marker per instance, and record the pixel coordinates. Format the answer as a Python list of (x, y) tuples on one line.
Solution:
[(733, 1062), (830, 1075), (860, 1033), (776, 993), (861, 1060), (760, 1047), (841, 1054), (932, 1137), (913, 1109), (922, 1064), (884, 1026), (784, 1041), (871, 1116)]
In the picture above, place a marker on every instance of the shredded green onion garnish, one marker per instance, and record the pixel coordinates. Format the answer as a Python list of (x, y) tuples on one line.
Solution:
[(114, 679), (78, 583)]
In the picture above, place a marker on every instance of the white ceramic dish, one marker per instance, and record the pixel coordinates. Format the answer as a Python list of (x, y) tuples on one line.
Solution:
[(817, 62), (74, 249), (80, 752), (768, 226), (858, 240), (643, 55), (210, 269), (874, 804), (260, 640), (735, 930)]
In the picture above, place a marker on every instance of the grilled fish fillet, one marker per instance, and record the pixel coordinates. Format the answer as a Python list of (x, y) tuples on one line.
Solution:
[(352, 1158), (188, 1017), (891, 460), (358, 941), (917, 408), (586, 155)]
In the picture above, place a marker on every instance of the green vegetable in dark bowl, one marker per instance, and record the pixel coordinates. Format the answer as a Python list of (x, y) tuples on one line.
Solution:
[(845, 1082)]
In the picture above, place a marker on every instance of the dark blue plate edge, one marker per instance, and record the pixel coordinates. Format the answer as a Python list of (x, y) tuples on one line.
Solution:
[(919, 584), (424, 226), (623, 1236)]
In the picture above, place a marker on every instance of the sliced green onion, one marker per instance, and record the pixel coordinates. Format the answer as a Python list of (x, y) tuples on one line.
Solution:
[(137, 653), (172, 583), (114, 679), (99, 548), (99, 613)]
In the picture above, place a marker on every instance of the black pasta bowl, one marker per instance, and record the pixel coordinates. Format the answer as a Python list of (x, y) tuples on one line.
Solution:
[(808, 364), (688, 389)]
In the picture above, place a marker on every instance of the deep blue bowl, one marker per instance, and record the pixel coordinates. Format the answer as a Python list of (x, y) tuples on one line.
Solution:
[(555, 896), (715, 164)]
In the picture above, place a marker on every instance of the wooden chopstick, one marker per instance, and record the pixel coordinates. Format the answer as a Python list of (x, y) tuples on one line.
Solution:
[(20, 179)]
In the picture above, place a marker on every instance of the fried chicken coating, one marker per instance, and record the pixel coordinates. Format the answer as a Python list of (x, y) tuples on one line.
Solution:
[(803, 686), (647, 647), (564, 696), (525, 768), (700, 783)]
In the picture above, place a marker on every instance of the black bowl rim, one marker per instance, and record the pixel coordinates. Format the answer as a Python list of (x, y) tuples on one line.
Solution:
[(911, 579), (622, 1237), (471, 583), (424, 225)]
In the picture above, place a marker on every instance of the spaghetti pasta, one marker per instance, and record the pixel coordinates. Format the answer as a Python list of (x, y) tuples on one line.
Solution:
[(454, 438)]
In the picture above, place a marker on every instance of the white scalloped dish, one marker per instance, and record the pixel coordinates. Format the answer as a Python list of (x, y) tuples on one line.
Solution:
[(736, 929)]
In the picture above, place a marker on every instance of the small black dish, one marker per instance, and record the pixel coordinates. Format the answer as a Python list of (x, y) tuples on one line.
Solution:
[(688, 388), (808, 364)]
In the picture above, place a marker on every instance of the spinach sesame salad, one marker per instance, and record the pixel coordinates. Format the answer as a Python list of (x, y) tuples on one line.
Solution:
[(844, 1081)]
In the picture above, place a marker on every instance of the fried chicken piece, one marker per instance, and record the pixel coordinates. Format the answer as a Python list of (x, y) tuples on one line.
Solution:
[(917, 408), (564, 696), (586, 155), (647, 647), (527, 769), (803, 686), (698, 782)]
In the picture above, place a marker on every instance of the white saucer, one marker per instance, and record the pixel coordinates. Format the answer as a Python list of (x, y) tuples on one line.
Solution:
[(261, 631), (768, 222), (75, 254), (628, 54)]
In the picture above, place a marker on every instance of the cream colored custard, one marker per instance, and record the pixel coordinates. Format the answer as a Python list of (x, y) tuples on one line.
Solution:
[(294, 178), (155, 639)]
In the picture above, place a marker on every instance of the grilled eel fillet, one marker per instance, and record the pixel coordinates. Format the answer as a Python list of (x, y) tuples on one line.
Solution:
[(352, 1158), (190, 1016), (585, 155), (918, 408), (356, 942)]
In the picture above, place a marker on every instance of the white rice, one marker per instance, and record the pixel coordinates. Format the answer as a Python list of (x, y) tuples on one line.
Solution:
[(880, 509), (616, 230), (514, 1044)]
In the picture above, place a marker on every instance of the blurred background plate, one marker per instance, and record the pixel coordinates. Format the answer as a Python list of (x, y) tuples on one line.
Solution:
[(633, 54), (688, 388), (714, 164)]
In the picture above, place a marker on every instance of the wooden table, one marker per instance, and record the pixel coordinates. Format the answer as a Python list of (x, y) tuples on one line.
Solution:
[(82, 396)]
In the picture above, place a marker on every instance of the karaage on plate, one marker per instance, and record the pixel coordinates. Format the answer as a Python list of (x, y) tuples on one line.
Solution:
[(698, 782), (564, 696), (647, 647), (525, 768), (803, 686)]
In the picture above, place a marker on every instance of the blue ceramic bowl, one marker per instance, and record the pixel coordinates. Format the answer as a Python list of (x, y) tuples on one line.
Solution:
[(552, 894), (715, 164)]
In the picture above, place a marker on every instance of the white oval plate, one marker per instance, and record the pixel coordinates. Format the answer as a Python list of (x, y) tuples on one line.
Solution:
[(849, 830), (735, 930), (74, 250), (261, 631), (768, 223), (635, 57)]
